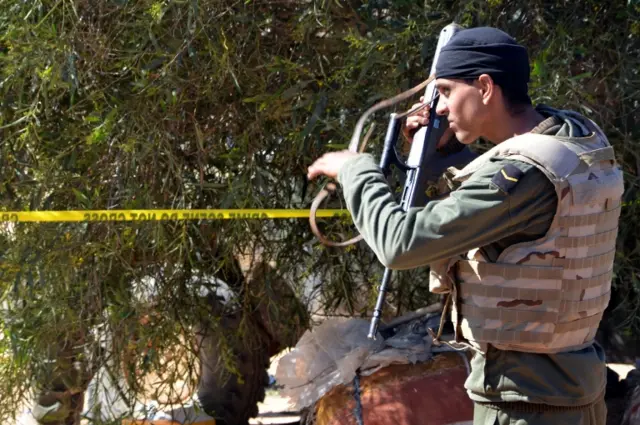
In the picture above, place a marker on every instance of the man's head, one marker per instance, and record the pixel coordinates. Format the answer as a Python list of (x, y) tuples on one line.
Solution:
[(482, 76)]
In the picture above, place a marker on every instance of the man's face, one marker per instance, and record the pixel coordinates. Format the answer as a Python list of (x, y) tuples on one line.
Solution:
[(462, 103)]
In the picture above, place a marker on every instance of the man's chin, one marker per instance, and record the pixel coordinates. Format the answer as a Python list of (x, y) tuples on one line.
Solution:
[(465, 138)]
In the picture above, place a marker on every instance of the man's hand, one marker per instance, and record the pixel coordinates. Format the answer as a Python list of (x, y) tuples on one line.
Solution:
[(420, 119), (329, 164), (415, 121)]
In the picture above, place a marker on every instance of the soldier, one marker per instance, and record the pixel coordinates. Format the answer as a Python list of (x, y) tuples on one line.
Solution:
[(524, 245)]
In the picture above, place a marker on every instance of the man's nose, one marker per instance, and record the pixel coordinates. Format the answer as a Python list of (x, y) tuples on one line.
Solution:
[(441, 107)]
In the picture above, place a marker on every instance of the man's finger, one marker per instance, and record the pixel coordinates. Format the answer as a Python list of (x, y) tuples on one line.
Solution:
[(313, 172), (319, 163), (445, 138), (317, 168)]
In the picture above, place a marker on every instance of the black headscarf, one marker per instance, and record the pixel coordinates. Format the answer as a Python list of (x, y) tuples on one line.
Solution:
[(485, 50)]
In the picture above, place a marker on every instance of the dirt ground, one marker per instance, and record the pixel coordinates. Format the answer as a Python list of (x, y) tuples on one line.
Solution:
[(275, 409)]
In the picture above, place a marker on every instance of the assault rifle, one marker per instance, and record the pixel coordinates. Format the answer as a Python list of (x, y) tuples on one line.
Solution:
[(424, 163)]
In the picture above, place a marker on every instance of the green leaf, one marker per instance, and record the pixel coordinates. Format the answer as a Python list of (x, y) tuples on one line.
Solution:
[(82, 198)]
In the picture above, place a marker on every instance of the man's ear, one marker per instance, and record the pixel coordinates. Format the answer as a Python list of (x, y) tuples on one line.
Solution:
[(487, 87)]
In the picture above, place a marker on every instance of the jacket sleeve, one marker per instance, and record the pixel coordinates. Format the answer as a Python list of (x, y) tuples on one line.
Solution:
[(476, 214)]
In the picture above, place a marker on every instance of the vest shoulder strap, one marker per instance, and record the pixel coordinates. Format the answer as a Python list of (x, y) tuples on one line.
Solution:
[(549, 152)]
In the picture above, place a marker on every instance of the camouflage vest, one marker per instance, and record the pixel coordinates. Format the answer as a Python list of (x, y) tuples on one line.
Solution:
[(547, 295)]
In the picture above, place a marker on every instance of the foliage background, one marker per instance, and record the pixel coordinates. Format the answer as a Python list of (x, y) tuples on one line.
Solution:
[(223, 104)]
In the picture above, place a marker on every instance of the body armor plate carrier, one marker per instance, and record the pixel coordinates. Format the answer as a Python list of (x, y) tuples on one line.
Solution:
[(546, 295)]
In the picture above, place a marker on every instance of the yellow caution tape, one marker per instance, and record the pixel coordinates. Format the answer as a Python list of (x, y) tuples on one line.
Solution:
[(160, 215), (166, 215)]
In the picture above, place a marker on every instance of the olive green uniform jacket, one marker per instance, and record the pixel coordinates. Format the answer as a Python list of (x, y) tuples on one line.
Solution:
[(480, 213)]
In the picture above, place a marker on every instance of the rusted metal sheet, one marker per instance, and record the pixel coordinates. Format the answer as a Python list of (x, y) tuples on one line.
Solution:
[(430, 393)]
